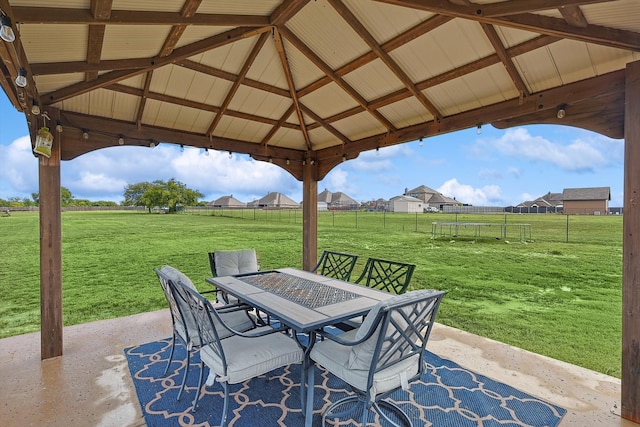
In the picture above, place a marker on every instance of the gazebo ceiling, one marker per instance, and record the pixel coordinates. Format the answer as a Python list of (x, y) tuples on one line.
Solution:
[(314, 81)]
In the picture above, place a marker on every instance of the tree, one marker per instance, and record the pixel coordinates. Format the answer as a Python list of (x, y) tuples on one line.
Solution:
[(171, 194), (133, 194), (66, 196)]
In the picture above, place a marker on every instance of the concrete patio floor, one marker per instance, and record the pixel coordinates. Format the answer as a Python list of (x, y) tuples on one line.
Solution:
[(90, 385)]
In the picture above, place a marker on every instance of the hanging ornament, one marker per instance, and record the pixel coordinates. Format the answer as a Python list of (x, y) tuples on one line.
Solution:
[(44, 139)]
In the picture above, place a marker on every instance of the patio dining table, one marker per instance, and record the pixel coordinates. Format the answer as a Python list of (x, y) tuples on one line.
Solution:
[(303, 301)]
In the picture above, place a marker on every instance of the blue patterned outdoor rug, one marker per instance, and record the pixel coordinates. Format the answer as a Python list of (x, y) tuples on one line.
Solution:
[(447, 396)]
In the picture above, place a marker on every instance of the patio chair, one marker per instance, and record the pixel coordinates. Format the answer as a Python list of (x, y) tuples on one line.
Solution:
[(336, 264), (389, 276), (384, 354), (231, 262), (184, 328), (239, 357)]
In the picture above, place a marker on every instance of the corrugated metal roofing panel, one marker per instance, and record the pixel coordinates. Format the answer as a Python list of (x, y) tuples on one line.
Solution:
[(513, 36), (53, 82), (137, 81), (239, 7), (329, 100), (81, 4), (467, 45), (407, 112), (259, 103), (229, 58), (133, 41), (322, 138), (621, 14), (481, 88), (241, 129), (286, 138), (359, 126), (104, 103), (149, 5), (385, 21), (304, 71), (538, 69), (327, 41), (194, 120), (373, 80), (196, 33), (267, 68), (572, 60), (72, 37)]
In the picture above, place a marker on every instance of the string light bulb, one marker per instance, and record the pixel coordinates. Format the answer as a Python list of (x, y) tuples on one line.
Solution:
[(6, 31), (152, 144), (288, 161), (59, 126), (85, 134), (35, 108), (479, 129), (561, 111), (121, 140), (182, 148), (270, 159), (206, 151), (230, 155), (420, 143), (21, 80)]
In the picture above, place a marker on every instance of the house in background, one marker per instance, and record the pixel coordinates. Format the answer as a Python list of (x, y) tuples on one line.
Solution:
[(338, 201), (431, 197), (227, 202), (406, 204), (274, 200), (586, 201), (550, 202)]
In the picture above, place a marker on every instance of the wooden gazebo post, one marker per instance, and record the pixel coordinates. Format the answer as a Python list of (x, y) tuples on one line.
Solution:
[(631, 244), (50, 253), (309, 215)]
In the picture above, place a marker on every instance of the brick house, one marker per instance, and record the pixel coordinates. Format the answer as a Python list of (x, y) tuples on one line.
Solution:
[(586, 201)]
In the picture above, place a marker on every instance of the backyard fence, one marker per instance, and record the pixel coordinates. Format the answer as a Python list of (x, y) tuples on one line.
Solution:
[(508, 227)]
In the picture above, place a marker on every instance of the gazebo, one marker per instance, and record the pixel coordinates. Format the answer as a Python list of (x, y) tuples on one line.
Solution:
[(309, 84)]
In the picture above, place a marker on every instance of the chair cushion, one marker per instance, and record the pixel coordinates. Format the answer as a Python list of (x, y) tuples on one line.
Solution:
[(361, 354), (249, 357), (238, 320), (235, 262), (176, 275), (335, 358)]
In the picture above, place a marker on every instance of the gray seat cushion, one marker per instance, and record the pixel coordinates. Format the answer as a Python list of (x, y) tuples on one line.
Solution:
[(335, 358), (238, 320), (249, 357)]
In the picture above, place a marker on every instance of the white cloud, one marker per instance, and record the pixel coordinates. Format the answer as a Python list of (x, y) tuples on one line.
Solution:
[(489, 174), (514, 171), (379, 160), (19, 168), (463, 193), (585, 153)]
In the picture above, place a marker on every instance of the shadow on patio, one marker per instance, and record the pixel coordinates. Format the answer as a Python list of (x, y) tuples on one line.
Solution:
[(91, 385)]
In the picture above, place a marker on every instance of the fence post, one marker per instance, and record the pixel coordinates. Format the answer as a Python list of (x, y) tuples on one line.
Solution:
[(567, 239)]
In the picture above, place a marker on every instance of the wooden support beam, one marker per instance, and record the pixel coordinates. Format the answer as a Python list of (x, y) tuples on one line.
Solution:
[(309, 215), (631, 249), (50, 253)]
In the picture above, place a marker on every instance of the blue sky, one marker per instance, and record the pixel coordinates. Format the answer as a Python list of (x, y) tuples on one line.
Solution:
[(493, 168)]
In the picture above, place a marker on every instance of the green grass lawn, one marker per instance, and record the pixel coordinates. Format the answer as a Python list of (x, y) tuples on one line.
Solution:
[(558, 295)]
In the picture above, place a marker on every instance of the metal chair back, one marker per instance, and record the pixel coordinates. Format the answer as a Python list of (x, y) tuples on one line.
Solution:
[(389, 276), (338, 265)]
